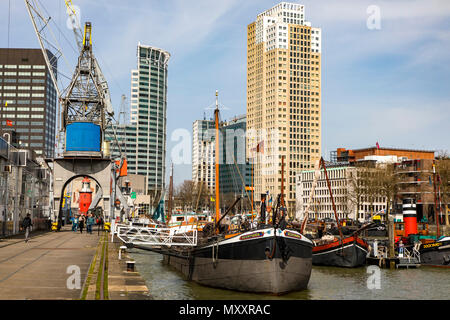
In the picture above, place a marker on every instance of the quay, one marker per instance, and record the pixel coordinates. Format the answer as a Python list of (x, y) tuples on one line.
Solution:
[(67, 265)]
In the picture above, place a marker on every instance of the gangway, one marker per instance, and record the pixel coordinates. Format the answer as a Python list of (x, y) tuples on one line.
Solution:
[(155, 236)]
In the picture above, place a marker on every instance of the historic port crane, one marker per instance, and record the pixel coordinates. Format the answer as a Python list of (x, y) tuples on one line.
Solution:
[(86, 112)]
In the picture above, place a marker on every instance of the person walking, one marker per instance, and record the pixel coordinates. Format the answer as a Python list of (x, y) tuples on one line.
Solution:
[(26, 224), (81, 224), (76, 220), (90, 221), (99, 224)]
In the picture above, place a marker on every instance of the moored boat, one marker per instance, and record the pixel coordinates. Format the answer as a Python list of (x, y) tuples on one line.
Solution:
[(350, 252), (265, 260), (339, 251), (436, 253)]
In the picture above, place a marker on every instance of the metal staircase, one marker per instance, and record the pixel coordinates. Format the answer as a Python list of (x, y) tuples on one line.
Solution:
[(410, 259)]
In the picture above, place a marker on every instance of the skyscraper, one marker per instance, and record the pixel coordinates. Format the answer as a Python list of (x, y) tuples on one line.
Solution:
[(234, 171), (283, 97), (144, 139), (28, 99), (203, 153)]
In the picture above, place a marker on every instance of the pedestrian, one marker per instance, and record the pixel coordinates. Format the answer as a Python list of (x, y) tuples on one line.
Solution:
[(75, 223), (401, 247), (26, 224), (81, 224), (90, 221), (99, 224)]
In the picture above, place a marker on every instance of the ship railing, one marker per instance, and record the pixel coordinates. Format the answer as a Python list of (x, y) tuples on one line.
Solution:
[(156, 236), (416, 252)]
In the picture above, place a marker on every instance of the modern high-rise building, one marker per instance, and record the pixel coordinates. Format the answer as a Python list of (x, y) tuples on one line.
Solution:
[(234, 168), (203, 153), (283, 98), (28, 99), (144, 139)]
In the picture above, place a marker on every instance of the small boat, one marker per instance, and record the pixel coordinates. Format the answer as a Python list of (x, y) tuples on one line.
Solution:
[(185, 222), (331, 251), (436, 253)]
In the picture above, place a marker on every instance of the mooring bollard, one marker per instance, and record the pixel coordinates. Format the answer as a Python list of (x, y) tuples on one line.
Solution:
[(121, 249), (130, 266)]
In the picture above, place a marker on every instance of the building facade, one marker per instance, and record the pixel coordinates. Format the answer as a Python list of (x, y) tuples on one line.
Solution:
[(342, 154), (283, 97), (28, 99), (24, 189), (234, 168), (343, 179), (413, 179), (203, 153)]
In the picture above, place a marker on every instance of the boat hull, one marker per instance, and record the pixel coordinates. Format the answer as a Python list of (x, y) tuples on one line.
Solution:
[(435, 253), (249, 265), (352, 254)]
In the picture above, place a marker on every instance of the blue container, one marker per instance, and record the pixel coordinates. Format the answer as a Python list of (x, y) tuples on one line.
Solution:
[(83, 136)]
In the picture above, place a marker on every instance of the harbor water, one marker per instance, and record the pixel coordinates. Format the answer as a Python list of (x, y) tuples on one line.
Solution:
[(364, 283)]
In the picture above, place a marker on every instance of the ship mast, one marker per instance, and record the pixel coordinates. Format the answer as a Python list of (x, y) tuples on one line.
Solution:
[(216, 117), (435, 202), (332, 199), (169, 211)]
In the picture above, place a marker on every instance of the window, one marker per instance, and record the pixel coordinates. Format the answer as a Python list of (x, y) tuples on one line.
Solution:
[(38, 74), (36, 145), (26, 74), (39, 67)]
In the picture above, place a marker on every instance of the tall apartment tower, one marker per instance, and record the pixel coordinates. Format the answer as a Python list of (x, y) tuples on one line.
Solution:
[(28, 99), (203, 153), (283, 98), (147, 155)]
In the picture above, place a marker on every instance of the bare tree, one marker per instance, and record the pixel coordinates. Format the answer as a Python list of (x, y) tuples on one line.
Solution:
[(184, 194), (387, 182), (355, 190), (443, 170)]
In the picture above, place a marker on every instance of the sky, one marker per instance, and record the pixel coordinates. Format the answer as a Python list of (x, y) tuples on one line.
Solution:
[(384, 80)]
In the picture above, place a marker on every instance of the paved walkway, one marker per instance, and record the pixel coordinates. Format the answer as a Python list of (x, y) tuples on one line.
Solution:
[(38, 269)]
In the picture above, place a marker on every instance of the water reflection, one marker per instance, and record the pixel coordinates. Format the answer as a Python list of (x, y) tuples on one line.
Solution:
[(165, 283)]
